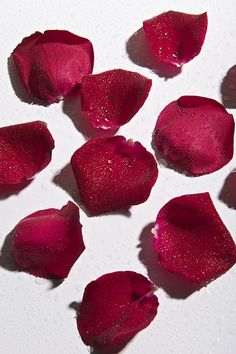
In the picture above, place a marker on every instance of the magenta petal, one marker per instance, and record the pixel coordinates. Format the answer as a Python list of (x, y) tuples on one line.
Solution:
[(52, 64), (48, 242), (112, 98), (113, 173), (195, 134), (192, 240), (175, 37), (25, 150), (115, 307)]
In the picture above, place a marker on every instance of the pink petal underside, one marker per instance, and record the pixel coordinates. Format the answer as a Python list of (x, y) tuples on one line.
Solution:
[(52, 64), (112, 98), (175, 37), (113, 173), (48, 242), (192, 240), (115, 307), (25, 150), (195, 134)]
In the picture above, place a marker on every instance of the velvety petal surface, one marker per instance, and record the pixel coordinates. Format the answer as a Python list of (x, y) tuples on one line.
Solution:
[(52, 64), (48, 242), (192, 240), (25, 149), (113, 173), (114, 308), (195, 134), (110, 99), (175, 37)]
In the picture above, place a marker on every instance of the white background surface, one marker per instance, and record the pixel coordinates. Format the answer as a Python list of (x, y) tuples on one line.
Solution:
[(37, 319)]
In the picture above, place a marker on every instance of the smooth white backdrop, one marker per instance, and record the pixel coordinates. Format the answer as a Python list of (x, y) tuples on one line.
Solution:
[(37, 319)]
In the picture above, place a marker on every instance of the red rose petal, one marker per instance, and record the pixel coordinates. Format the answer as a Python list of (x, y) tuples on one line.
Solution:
[(112, 98), (175, 37), (113, 173), (115, 307), (48, 242), (52, 64), (25, 149), (192, 240), (195, 134)]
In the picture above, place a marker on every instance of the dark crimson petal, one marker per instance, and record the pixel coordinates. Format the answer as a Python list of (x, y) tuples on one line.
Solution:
[(113, 173), (112, 98), (48, 242), (175, 37), (25, 149), (195, 134), (192, 240), (114, 308), (52, 64)]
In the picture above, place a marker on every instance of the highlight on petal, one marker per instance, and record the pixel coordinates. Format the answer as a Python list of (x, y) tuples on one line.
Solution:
[(195, 134), (175, 37), (114, 308), (25, 149), (192, 240), (113, 173), (52, 64), (110, 99), (48, 242)]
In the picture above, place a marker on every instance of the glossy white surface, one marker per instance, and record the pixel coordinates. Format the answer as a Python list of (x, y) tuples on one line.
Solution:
[(37, 319)]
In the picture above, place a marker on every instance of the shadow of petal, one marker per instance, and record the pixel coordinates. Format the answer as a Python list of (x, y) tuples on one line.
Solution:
[(66, 180), (140, 53), (228, 191), (16, 82), (173, 284), (7, 190), (228, 88), (6, 256)]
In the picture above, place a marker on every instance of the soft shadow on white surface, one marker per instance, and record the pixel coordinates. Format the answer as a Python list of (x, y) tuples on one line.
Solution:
[(12, 189), (16, 83), (228, 88), (228, 192), (6, 257)]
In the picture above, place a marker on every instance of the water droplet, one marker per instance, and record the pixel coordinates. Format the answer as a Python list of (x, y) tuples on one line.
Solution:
[(110, 161), (110, 169), (107, 120)]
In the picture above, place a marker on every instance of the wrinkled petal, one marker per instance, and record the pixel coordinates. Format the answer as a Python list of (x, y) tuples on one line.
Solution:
[(48, 242), (113, 173), (195, 134), (52, 64), (112, 98), (25, 149), (175, 37), (115, 307), (192, 240)]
